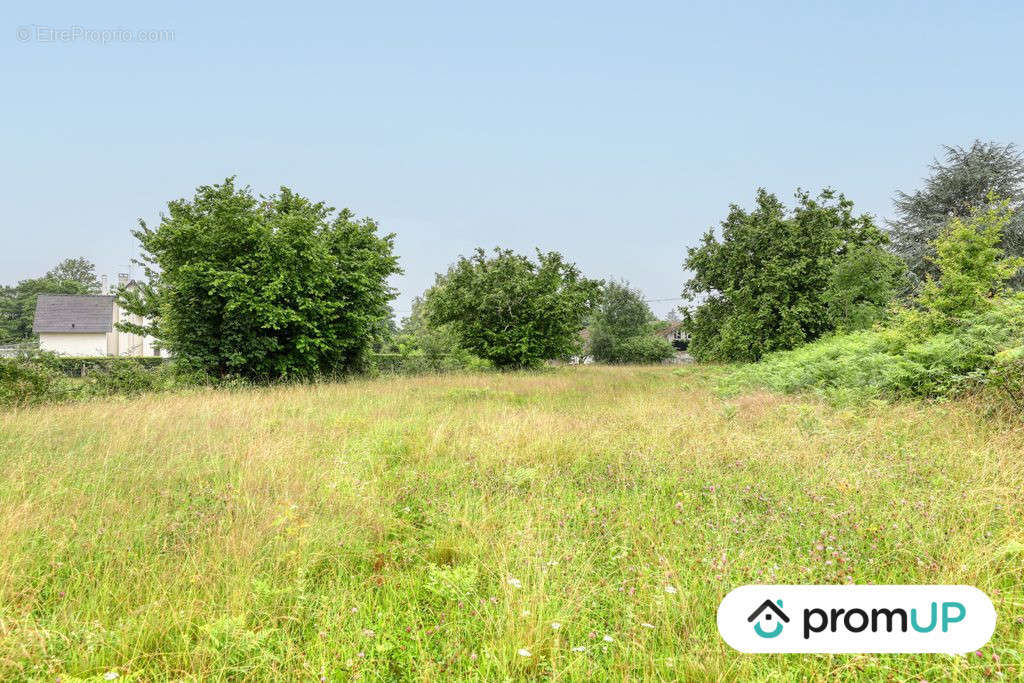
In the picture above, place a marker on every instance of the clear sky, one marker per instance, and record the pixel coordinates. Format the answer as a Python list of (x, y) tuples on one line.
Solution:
[(615, 133)]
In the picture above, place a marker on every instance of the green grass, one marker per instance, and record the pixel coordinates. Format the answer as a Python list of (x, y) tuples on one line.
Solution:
[(429, 528)]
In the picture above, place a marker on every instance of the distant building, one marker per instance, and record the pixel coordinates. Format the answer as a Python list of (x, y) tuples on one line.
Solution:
[(674, 333), (84, 325)]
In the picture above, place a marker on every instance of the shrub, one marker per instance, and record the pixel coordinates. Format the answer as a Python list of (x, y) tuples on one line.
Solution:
[(902, 361), (30, 381), (621, 315), (1006, 377), (512, 310), (126, 377), (644, 349), (80, 366)]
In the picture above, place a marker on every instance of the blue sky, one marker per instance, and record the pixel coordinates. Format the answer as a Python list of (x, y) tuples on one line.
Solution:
[(616, 133)]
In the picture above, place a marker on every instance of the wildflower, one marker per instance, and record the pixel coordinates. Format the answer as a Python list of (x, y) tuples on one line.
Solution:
[(514, 582), (110, 675), (368, 632), (555, 625), (671, 589), (472, 656), (608, 639), (354, 610), (579, 648), (646, 625), (523, 652), (592, 635)]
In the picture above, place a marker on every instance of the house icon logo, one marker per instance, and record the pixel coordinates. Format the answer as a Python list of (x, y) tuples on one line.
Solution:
[(764, 615)]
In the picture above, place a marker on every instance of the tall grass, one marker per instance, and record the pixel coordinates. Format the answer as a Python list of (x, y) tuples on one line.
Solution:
[(435, 527)]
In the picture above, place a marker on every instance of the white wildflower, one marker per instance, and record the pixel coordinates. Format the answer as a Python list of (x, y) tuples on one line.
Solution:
[(671, 589), (514, 582), (555, 625), (523, 652), (110, 675), (579, 648), (646, 625), (609, 639)]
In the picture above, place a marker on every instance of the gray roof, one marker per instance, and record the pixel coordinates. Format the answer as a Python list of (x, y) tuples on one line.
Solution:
[(74, 313)]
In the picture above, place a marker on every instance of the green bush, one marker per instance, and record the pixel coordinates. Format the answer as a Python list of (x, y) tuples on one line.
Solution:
[(31, 381), (1006, 377), (644, 349), (79, 366), (125, 376), (901, 361)]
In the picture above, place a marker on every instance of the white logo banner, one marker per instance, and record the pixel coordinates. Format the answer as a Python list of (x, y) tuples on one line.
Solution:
[(948, 619)]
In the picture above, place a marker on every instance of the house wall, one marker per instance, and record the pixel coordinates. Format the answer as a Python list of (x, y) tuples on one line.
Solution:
[(74, 343), (127, 344)]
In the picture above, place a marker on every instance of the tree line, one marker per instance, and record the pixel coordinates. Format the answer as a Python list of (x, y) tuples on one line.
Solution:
[(266, 287), (776, 277)]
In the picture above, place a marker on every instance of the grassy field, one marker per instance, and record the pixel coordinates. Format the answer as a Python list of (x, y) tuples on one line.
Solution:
[(578, 524)]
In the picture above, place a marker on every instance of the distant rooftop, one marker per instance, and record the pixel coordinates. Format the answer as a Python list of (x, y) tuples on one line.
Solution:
[(74, 313)]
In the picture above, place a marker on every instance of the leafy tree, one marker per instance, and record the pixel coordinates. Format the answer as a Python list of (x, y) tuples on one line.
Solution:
[(18, 303), (512, 310), (266, 287), (956, 185), (78, 270), (621, 329), (864, 282), (760, 288), (972, 267), (621, 314)]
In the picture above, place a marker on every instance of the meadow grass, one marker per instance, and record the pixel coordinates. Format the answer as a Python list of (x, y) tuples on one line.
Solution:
[(437, 528)]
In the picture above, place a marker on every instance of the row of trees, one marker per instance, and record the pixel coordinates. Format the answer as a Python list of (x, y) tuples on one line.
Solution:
[(280, 286), (776, 278)]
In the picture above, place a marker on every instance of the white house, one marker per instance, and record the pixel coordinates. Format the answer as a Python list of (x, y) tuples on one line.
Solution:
[(84, 325)]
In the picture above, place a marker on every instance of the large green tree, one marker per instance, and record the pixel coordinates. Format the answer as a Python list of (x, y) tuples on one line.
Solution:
[(864, 281), (511, 310), (620, 330), (760, 288), (18, 302), (958, 184), (263, 287)]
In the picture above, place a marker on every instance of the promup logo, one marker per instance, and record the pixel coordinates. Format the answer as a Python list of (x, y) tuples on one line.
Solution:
[(767, 611), (947, 619)]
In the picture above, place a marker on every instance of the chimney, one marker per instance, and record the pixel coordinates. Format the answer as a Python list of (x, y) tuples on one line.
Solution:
[(104, 287), (123, 279)]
